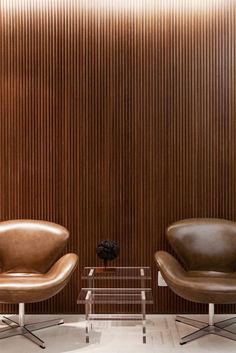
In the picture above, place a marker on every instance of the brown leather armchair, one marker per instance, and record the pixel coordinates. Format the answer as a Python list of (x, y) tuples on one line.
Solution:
[(206, 272), (30, 270)]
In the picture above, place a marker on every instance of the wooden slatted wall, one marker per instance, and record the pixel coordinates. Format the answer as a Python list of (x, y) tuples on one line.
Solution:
[(117, 117)]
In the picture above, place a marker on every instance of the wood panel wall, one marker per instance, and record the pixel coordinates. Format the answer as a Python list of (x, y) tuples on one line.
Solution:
[(117, 118)]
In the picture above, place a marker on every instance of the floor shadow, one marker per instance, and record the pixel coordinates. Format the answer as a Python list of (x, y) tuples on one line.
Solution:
[(62, 338)]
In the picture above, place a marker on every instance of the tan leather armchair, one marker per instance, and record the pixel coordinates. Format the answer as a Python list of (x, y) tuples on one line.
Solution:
[(206, 272), (30, 270)]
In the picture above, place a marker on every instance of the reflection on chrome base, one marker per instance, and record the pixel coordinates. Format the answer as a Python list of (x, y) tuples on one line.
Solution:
[(206, 329), (20, 328)]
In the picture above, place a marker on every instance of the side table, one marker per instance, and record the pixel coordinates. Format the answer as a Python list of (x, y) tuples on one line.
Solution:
[(96, 293)]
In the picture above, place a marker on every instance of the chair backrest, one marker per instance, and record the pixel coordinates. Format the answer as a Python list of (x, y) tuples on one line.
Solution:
[(29, 246), (205, 244)]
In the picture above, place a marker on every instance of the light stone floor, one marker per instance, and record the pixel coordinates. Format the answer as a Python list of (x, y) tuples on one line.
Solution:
[(118, 337)]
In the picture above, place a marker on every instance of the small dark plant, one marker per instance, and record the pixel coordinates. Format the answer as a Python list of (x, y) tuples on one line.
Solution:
[(107, 250)]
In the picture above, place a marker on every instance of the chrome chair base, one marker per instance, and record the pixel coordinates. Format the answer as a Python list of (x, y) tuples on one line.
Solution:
[(26, 330), (206, 329)]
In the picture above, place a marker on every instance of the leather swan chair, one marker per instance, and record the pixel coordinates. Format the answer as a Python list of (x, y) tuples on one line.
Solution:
[(207, 271), (31, 270)]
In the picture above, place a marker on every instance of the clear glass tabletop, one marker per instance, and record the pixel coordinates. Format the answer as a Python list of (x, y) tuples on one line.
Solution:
[(141, 272), (115, 296)]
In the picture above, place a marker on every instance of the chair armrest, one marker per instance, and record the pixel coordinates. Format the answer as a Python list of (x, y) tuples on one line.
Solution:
[(63, 268), (170, 268)]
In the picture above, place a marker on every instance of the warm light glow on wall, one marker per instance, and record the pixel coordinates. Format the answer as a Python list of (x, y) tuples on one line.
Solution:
[(117, 5), (142, 5)]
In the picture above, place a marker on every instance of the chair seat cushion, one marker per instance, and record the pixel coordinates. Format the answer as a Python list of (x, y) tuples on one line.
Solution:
[(32, 287)]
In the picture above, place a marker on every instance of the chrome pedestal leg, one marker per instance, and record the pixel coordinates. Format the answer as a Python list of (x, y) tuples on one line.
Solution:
[(193, 336), (8, 321), (210, 328), (25, 330), (190, 322), (226, 323), (40, 325), (28, 334)]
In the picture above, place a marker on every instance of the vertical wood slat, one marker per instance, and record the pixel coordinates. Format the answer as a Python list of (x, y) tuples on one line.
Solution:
[(115, 122)]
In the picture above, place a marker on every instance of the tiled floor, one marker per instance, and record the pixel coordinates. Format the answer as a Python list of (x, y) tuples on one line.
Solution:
[(118, 337)]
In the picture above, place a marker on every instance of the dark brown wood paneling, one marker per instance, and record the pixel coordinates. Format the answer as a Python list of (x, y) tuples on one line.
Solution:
[(116, 119)]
